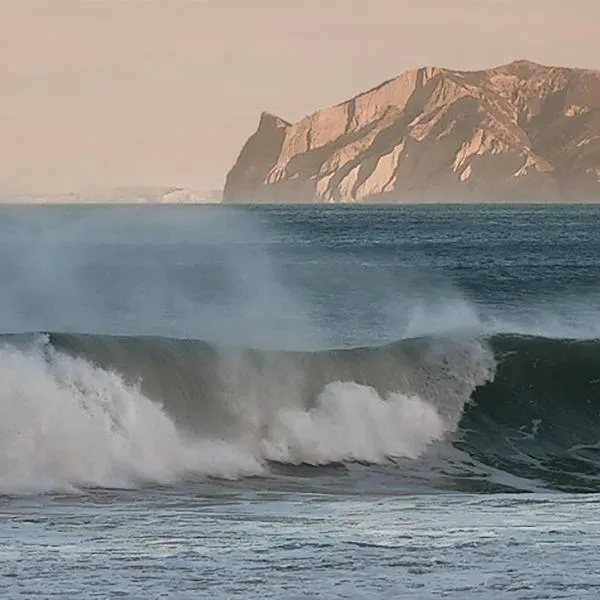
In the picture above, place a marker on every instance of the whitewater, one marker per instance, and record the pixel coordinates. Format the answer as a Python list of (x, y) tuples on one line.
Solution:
[(382, 396)]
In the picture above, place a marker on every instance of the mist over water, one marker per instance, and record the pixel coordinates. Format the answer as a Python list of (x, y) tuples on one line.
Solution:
[(314, 337), (150, 271), (307, 278)]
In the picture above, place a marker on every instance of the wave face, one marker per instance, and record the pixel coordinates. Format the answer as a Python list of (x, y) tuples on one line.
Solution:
[(540, 418), (503, 412)]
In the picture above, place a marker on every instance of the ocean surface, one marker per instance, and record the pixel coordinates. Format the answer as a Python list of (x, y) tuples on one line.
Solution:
[(300, 402)]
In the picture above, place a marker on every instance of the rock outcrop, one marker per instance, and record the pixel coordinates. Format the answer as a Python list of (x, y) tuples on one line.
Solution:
[(519, 132)]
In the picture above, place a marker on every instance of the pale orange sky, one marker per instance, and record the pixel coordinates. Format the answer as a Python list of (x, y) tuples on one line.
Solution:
[(117, 92)]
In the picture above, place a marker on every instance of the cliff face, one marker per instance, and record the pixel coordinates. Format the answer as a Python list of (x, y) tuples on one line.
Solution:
[(522, 131)]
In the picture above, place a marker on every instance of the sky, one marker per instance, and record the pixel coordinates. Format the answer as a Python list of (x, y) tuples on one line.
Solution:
[(100, 93)]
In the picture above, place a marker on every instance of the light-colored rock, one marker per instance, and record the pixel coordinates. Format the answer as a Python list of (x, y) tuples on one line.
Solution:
[(466, 174), (521, 131)]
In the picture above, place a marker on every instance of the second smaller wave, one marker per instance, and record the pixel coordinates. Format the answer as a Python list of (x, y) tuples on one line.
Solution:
[(352, 422)]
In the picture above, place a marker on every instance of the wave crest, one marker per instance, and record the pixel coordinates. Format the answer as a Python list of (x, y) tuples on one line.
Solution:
[(102, 411), (84, 410), (66, 423)]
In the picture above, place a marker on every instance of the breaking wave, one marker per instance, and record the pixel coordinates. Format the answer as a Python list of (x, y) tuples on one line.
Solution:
[(449, 411)]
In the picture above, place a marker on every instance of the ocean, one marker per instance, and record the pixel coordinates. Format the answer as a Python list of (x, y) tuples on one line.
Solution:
[(300, 402)]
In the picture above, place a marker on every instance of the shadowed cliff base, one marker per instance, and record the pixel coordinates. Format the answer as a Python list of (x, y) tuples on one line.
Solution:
[(521, 132)]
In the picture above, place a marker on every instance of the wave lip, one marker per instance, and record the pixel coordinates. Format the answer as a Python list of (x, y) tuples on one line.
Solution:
[(455, 412)]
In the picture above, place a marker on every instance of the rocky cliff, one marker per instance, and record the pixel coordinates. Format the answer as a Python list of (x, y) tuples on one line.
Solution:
[(519, 132)]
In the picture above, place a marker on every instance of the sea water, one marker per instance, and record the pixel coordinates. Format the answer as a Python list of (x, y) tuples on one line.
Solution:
[(299, 402)]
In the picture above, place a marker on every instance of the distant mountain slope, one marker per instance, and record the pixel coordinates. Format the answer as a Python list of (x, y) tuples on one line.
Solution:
[(522, 131), (122, 195)]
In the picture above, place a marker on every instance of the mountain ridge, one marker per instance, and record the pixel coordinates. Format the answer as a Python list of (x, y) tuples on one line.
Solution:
[(520, 131)]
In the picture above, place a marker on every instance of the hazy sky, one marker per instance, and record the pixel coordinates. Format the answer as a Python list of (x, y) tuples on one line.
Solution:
[(111, 92)]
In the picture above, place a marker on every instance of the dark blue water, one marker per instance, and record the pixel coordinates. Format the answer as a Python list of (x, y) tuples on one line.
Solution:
[(354, 273)]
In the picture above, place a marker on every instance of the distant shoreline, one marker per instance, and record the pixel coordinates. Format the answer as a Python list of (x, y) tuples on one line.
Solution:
[(324, 205)]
